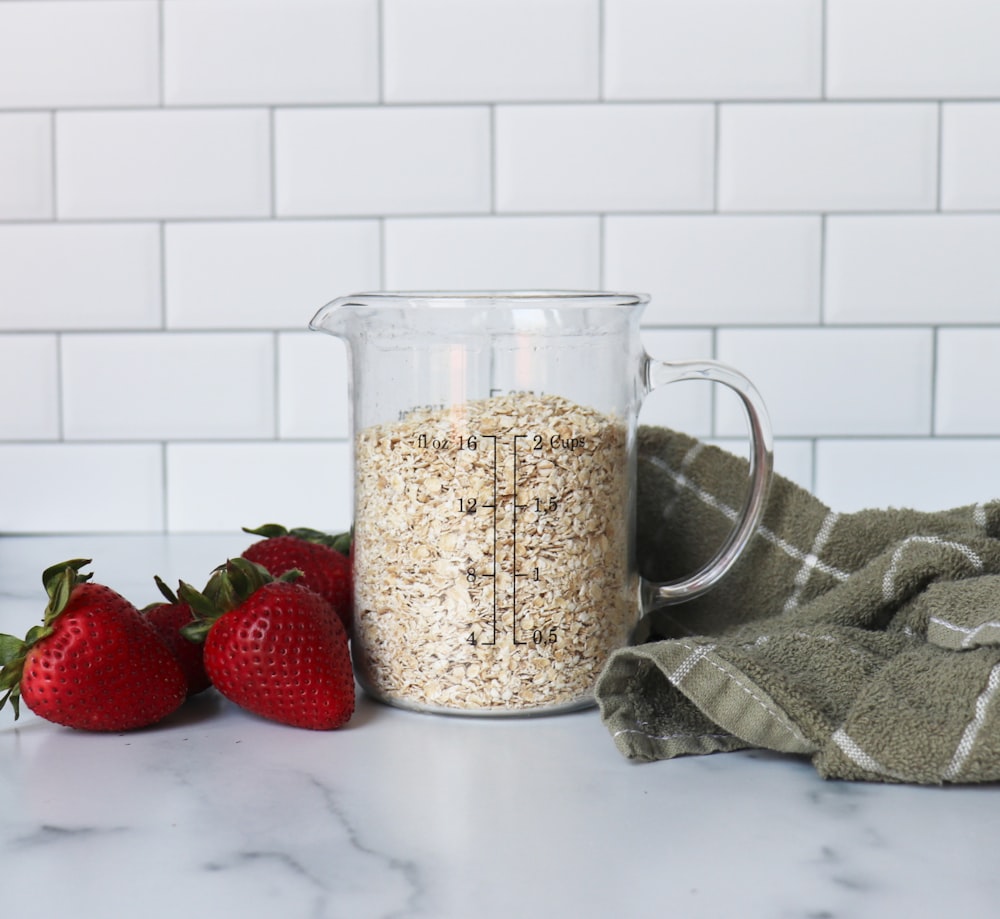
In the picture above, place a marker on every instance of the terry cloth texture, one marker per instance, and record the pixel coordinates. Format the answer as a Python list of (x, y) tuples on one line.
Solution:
[(868, 641)]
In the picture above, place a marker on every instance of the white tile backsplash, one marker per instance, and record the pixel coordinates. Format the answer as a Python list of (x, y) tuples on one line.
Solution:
[(25, 166), (297, 484), (684, 406), (221, 52), (718, 270), (968, 381), (628, 157), (925, 474), (145, 386), (85, 53), (833, 381), (29, 364), (264, 274), (373, 161), (940, 268), (71, 276), (81, 488), (913, 48), (970, 151), (512, 50), (807, 188), (828, 157), (793, 459), (163, 163), (312, 391), (713, 49), (493, 253)]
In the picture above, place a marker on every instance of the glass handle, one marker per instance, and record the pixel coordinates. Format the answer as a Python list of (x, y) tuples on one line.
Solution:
[(659, 373)]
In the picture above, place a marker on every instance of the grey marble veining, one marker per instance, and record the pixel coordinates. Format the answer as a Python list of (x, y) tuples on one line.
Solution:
[(407, 816)]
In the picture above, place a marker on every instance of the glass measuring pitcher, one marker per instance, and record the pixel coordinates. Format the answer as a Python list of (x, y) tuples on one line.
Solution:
[(495, 471)]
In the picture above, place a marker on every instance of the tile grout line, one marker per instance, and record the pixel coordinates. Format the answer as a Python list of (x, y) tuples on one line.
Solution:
[(602, 20), (493, 159), (823, 56), (163, 275), (713, 404), (276, 382), (272, 165), (164, 486), (383, 273), (60, 390), (813, 473), (602, 251), (380, 50), (821, 293), (161, 48), (940, 150), (716, 155), (935, 335), (54, 166)]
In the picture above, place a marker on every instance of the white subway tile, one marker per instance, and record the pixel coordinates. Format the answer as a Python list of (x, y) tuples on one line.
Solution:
[(910, 269), (970, 151), (968, 382), (629, 157), (81, 488), (79, 276), (57, 54), (405, 160), (713, 49), (899, 49), (493, 253), (163, 163), (828, 157), (924, 474), (684, 406), (155, 386), (222, 487), (313, 386), (793, 459), (25, 165), (509, 50), (270, 51), (833, 381), (264, 274), (29, 392), (715, 269)]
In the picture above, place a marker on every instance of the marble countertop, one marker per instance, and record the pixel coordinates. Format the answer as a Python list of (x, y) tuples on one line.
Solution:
[(217, 813)]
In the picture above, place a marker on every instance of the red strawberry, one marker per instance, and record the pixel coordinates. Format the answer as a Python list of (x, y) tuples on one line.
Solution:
[(320, 557), (273, 647), (94, 662), (168, 619)]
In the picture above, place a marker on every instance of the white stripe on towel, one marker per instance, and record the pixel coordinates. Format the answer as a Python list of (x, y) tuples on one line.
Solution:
[(859, 757), (889, 579), (973, 728)]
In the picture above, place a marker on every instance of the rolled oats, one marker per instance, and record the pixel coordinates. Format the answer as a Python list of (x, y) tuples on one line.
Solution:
[(491, 554)]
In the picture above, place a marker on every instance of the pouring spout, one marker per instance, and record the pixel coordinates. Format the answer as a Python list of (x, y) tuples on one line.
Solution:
[(333, 318), (340, 317)]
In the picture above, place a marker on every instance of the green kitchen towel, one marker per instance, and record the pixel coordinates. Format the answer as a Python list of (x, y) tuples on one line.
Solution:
[(868, 641)]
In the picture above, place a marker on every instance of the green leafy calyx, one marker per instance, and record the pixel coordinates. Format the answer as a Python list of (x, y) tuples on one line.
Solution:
[(229, 586), (59, 582), (339, 541)]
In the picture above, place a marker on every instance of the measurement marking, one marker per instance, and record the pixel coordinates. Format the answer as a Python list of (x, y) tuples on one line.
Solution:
[(517, 506), (493, 507)]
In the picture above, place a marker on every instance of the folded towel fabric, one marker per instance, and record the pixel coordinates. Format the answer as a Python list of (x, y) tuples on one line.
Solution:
[(868, 641)]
